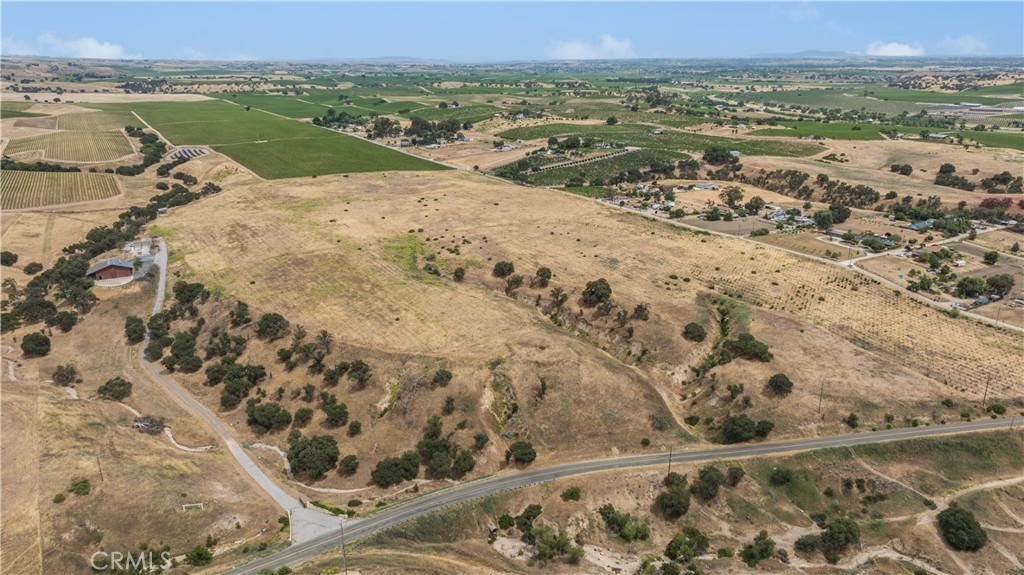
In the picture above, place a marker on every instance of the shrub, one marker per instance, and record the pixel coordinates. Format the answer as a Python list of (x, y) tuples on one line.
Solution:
[(8, 258), (65, 375), (762, 548), (80, 487), (839, 534), (59, 498), (961, 530), (807, 544), (266, 417), (63, 320), (673, 503), (745, 346), (503, 269), (394, 470), (115, 389), (442, 378), (311, 457), (779, 384), (33, 268), (459, 274), (628, 527), (542, 277), (521, 452), (271, 326), (780, 476), (852, 421), (134, 329), (740, 428), (303, 416), (734, 475), (695, 332), (506, 521), (709, 481), (199, 555), (354, 428), (597, 291), (35, 345), (348, 465), (571, 494), (480, 440)]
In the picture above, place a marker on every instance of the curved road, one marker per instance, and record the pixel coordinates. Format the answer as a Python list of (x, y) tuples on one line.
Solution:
[(306, 523), (300, 553)]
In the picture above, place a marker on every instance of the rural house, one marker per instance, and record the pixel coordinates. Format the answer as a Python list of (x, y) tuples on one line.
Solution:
[(110, 269)]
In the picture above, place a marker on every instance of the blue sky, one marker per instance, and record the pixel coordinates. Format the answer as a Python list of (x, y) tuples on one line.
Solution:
[(490, 31)]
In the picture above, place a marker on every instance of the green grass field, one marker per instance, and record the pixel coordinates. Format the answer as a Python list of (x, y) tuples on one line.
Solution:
[(670, 140), (33, 189), (1004, 90), (1013, 140), (901, 95), (14, 105), (851, 99), (472, 113), (334, 154), (834, 130), (4, 113), (271, 146), (289, 106)]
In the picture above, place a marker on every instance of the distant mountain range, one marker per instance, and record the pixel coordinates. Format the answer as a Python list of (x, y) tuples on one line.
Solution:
[(811, 54)]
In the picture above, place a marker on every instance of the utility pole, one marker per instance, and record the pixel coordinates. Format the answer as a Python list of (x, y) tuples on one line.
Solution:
[(670, 460), (821, 394), (984, 399), (344, 555)]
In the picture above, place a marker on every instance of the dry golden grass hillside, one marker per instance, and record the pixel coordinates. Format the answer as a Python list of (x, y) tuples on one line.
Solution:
[(346, 254)]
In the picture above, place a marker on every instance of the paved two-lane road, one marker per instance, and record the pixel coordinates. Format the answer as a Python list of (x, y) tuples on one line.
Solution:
[(302, 552)]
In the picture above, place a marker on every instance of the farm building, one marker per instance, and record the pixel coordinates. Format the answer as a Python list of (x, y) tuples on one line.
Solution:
[(111, 269), (706, 186)]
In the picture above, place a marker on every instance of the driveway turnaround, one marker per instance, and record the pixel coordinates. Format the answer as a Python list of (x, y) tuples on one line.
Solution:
[(302, 552)]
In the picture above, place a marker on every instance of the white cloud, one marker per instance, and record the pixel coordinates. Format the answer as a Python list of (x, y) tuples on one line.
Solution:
[(15, 47), (50, 45), (965, 45), (803, 11), (609, 48), (894, 49)]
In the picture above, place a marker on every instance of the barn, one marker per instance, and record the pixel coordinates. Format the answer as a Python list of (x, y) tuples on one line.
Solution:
[(110, 269)]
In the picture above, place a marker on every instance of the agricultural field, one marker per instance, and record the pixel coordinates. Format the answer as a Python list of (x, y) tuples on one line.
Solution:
[(96, 121), (473, 113), (5, 113), (14, 106), (270, 146), (605, 169), (922, 96), (673, 140), (834, 130), (74, 146), (850, 99), (806, 242), (33, 189), (288, 106), (336, 153), (999, 139)]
